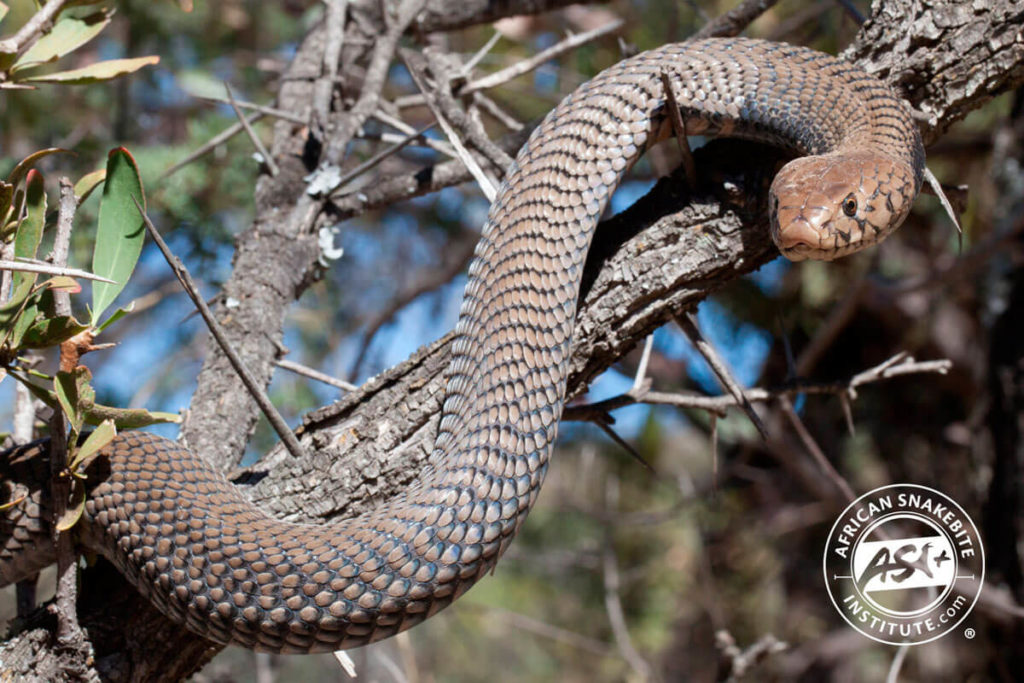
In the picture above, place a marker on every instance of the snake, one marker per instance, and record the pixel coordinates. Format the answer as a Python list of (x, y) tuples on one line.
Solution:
[(205, 556)]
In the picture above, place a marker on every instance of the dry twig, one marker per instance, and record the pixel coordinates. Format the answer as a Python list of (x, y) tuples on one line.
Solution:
[(898, 365), (612, 600), (735, 20), (33, 29), (738, 663), (897, 664), (415, 67), (403, 127), (815, 450), (375, 160), (491, 107), (255, 139), (373, 81), (688, 324), (334, 41), (211, 144), (69, 633), (261, 108), (315, 374), (472, 129), (33, 266), (675, 115), (255, 390), (520, 68)]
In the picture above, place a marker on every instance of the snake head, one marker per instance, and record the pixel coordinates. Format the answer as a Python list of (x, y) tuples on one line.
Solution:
[(827, 206)]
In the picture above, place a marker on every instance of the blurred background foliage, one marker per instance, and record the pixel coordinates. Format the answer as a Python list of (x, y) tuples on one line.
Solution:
[(703, 544)]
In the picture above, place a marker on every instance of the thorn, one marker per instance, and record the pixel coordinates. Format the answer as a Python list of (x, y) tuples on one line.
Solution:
[(255, 389), (688, 324), (265, 156), (937, 190), (679, 126), (714, 453), (788, 350), (629, 449), (639, 381), (844, 401)]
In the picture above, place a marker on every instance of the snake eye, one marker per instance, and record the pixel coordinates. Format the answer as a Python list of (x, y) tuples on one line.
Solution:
[(850, 205)]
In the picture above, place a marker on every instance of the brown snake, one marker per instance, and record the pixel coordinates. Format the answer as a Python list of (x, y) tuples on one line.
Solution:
[(205, 556)]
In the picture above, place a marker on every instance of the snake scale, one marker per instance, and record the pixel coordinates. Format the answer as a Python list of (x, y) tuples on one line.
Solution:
[(206, 557)]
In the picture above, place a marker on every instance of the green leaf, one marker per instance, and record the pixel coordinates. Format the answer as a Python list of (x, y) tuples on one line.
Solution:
[(94, 443), (41, 393), (6, 195), (11, 311), (17, 207), (121, 232), (67, 35), (94, 73), (24, 321), (117, 315), (128, 418), (63, 283), (51, 332), (74, 512), (73, 393), (19, 313), (15, 307), (88, 183), (19, 171), (30, 232)]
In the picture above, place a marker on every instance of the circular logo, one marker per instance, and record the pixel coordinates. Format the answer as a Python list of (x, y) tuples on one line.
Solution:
[(904, 564)]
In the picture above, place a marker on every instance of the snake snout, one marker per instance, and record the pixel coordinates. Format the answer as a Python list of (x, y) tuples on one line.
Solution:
[(800, 229), (827, 206)]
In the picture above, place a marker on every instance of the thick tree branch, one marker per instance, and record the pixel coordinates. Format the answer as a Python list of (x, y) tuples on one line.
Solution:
[(677, 261), (277, 257), (947, 58)]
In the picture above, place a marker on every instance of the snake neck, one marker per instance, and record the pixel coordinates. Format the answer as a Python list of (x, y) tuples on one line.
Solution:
[(510, 361)]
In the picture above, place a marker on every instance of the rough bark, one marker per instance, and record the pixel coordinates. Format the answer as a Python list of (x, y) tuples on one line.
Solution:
[(370, 445), (365, 448), (946, 58), (276, 257)]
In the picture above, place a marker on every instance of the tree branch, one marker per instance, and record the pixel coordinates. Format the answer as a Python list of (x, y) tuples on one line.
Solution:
[(277, 257)]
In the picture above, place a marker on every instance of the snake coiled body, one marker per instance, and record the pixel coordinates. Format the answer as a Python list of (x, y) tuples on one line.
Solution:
[(206, 557)]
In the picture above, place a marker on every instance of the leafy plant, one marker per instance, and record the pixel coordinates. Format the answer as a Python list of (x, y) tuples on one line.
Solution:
[(121, 231), (28, 318), (22, 63)]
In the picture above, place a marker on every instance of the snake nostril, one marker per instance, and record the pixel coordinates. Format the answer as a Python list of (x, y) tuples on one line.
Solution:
[(798, 233)]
